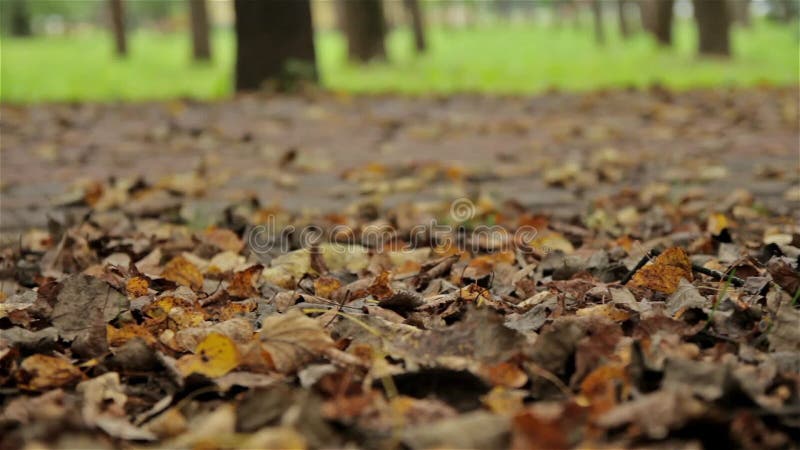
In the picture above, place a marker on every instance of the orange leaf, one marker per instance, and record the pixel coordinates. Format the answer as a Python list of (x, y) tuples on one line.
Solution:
[(381, 288), (665, 272), (183, 272), (325, 286), (118, 336), (507, 375), (243, 283), (137, 286)]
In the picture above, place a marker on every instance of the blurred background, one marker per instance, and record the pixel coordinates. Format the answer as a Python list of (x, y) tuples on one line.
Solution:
[(106, 50)]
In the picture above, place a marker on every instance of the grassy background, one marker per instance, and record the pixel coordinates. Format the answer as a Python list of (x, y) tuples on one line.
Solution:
[(496, 59)]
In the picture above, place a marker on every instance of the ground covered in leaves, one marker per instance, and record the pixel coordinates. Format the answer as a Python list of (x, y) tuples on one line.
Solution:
[(602, 270)]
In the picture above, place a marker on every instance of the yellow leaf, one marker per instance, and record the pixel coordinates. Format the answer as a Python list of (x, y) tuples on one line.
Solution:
[(137, 287), (665, 272), (183, 272), (550, 241), (213, 357), (716, 223)]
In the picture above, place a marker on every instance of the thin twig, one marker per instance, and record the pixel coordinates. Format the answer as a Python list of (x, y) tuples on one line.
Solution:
[(719, 276), (645, 259)]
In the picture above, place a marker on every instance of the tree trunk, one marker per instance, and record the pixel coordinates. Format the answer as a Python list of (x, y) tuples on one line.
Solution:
[(597, 14), (713, 27), (201, 42), (417, 22), (274, 42), (20, 18), (740, 12), (657, 18), (365, 29), (624, 30), (788, 10), (118, 27)]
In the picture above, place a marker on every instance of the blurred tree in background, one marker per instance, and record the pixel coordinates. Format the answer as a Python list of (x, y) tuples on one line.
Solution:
[(365, 28), (201, 41), (398, 36), (274, 43), (713, 27)]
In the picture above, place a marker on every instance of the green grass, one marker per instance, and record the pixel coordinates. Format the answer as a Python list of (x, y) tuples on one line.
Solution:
[(495, 59)]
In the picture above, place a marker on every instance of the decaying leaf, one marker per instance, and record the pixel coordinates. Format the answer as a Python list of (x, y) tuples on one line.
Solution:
[(243, 284), (292, 339), (41, 372), (183, 272), (664, 273), (137, 286)]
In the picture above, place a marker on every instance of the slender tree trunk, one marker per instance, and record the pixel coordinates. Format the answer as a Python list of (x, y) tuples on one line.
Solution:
[(624, 29), (118, 27), (20, 23), (201, 41), (713, 27), (740, 12), (274, 42), (417, 22), (597, 14), (365, 28)]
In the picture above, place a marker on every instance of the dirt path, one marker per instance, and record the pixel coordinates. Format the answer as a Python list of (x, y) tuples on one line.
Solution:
[(553, 153)]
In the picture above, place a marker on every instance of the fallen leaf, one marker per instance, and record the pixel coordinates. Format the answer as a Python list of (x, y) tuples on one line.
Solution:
[(213, 357), (137, 287), (243, 284), (183, 272), (664, 273), (41, 372), (292, 339)]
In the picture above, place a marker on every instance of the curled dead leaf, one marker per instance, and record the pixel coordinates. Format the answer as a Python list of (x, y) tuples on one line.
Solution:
[(664, 273)]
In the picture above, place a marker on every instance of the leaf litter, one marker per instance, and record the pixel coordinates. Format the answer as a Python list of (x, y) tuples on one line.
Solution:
[(659, 317)]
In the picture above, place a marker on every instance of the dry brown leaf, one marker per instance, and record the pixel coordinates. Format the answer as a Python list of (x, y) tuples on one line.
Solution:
[(665, 272), (607, 310), (506, 375), (42, 372), (223, 239), (243, 284), (183, 272), (292, 339), (118, 336), (325, 286)]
